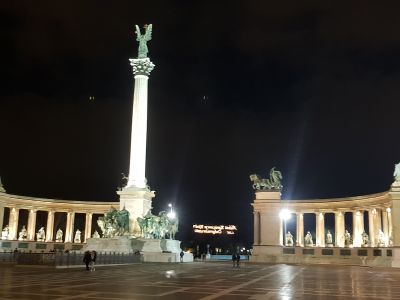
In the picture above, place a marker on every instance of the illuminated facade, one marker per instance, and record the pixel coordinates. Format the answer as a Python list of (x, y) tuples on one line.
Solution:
[(382, 211)]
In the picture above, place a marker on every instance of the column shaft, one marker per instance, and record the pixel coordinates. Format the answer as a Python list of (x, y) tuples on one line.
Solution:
[(256, 216), (299, 229), (88, 226), (385, 225), (371, 221), (137, 166), (31, 225), (13, 223), (390, 225), (358, 228), (378, 225), (320, 229), (69, 231), (50, 226), (1, 217), (339, 229)]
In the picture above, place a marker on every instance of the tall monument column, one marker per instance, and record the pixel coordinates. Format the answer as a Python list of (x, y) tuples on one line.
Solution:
[(136, 196)]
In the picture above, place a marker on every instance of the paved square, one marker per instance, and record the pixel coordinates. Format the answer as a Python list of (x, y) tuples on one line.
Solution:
[(200, 280)]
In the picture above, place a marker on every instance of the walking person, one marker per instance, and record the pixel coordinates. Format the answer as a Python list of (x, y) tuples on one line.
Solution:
[(237, 260), (87, 259), (234, 259), (181, 255), (93, 257)]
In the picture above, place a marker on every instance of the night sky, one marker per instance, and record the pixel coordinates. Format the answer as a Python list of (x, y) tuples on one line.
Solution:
[(239, 87)]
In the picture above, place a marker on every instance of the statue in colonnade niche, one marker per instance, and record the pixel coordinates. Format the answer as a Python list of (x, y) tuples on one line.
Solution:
[(5, 233), (308, 240), (41, 235), (289, 239), (271, 183), (347, 238), (381, 239), (95, 235), (396, 173), (329, 240), (59, 235), (77, 238), (365, 239), (23, 235)]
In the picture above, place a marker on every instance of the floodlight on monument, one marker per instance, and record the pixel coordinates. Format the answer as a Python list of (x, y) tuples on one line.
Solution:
[(285, 214), (171, 214)]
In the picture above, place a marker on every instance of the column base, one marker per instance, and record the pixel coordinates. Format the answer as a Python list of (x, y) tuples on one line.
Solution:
[(137, 201)]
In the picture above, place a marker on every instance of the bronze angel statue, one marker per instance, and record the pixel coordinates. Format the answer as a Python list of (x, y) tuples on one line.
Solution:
[(143, 39)]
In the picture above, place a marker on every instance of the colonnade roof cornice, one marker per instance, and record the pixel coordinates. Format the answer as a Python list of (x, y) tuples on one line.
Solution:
[(24, 202), (366, 202)]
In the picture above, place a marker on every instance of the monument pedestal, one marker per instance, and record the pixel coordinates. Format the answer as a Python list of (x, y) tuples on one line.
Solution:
[(137, 201), (152, 250)]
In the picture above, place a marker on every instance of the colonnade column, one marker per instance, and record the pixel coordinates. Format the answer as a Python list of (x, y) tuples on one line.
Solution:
[(385, 225), (69, 231), (1, 216), (50, 226), (339, 229), (358, 228), (389, 216), (31, 224), (377, 224), (371, 222), (13, 223), (256, 228), (320, 229), (88, 226), (299, 229)]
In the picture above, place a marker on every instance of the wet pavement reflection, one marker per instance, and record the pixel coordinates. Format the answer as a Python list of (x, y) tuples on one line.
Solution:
[(201, 280)]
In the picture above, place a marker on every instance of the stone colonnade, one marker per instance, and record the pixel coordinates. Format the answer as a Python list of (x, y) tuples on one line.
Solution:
[(382, 209), (51, 207)]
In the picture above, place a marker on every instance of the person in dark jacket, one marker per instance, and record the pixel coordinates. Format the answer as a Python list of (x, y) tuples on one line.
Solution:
[(87, 259), (234, 259), (237, 260)]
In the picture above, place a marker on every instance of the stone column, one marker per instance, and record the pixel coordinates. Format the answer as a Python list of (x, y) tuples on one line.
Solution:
[(371, 221), (256, 228), (320, 229), (137, 167), (339, 229), (390, 230), (378, 224), (31, 224), (385, 225), (69, 231), (358, 228), (88, 226), (13, 223), (1, 217), (50, 226), (299, 229)]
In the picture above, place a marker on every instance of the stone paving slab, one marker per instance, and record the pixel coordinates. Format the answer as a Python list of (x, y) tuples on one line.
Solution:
[(200, 280)]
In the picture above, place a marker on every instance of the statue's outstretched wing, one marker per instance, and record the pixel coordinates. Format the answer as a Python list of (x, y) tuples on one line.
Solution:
[(138, 35), (147, 34)]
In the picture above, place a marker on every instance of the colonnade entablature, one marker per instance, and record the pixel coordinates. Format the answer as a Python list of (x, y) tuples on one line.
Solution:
[(16, 229), (363, 221)]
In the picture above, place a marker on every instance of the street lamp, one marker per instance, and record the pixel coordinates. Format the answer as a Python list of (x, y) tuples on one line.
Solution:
[(171, 213), (285, 215)]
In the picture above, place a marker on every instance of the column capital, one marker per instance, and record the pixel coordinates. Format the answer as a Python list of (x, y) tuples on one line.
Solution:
[(141, 66)]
